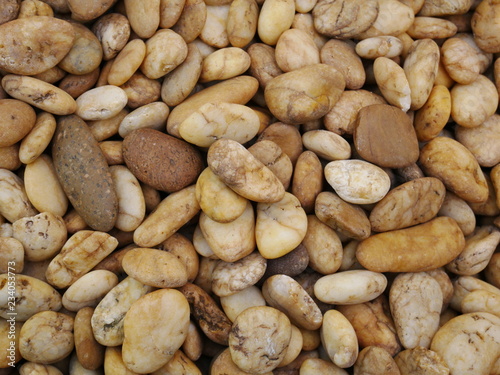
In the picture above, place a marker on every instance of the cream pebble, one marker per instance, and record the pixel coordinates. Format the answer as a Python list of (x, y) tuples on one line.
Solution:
[(101, 103)]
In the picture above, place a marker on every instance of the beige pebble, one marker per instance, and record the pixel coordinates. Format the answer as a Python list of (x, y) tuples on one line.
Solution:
[(40, 94), (456, 344), (341, 54), (376, 360), (274, 18), (263, 64), (191, 21), (126, 63), (89, 289), (213, 121), (431, 28), (348, 177), (131, 204), (104, 129), (320, 366), (327, 145), (193, 344), (259, 339), (393, 18), (411, 203), (223, 364), (170, 11), (42, 235), (456, 167), (345, 218), (17, 120), (460, 60), (460, 211), (307, 180), (379, 46), (150, 343), (14, 203), (43, 187), (286, 136), (37, 140), (433, 116), (183, 248), (162, 223), (107, 320), (179, 363), (464, 285), (80, 254), (9, 343), (101, 103), (140, 90), (339, 339), (235, 303), (38, 369), (481, 301), (350, 287), (43, 327), (287, 295), (416, 301), (484, 27), (280, 226), (165, 50), (295, 49), (214, 31), (230, 241), (323, 246), (32, 296), (229, 278), (314, 90)]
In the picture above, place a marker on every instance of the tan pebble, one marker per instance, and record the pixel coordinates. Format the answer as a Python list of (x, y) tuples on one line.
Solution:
[(107, 319), (144, 16), (280, 226), (88, 11), (263, 64), (76, 85), (481, 139), (481, 301), (273, 157), (170, 11), (165, 50), (40, 94), (43, 326), (11, 255), (413, 202), (179, 362), (156, 268), (223, 364), (375, 135), (230, 278), (145, 348), (286, 136), (9, 342), (113, 152), (313, 97), (32, 296), (431, 28), (339, 339), (373, 324), (17, 120), (191, 21), (38, 369), (233, 240), (307, 180), (456, 167), (85, 54), (89, 289), (126, 63), (214, 31), (242, 21), (259, 339), (104, 129), (9, 157), (350, 287), (422, 361), (345, 218), (43, 187), (89, 352), (342, 55), (377, 360), (485, 28), (464, 285), (14, 203), (433, 116), (295, 49), (171, 214), (327, 145), (397, 251), (348, 177), (160, 160), (320, 366), (460, 60), (287, 295), (275, 17), (458, 209), (34, 51), (183, 248), (359, 16), (379, 46), (193, 345), (79, 255), (491, 271), (392, 82)]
